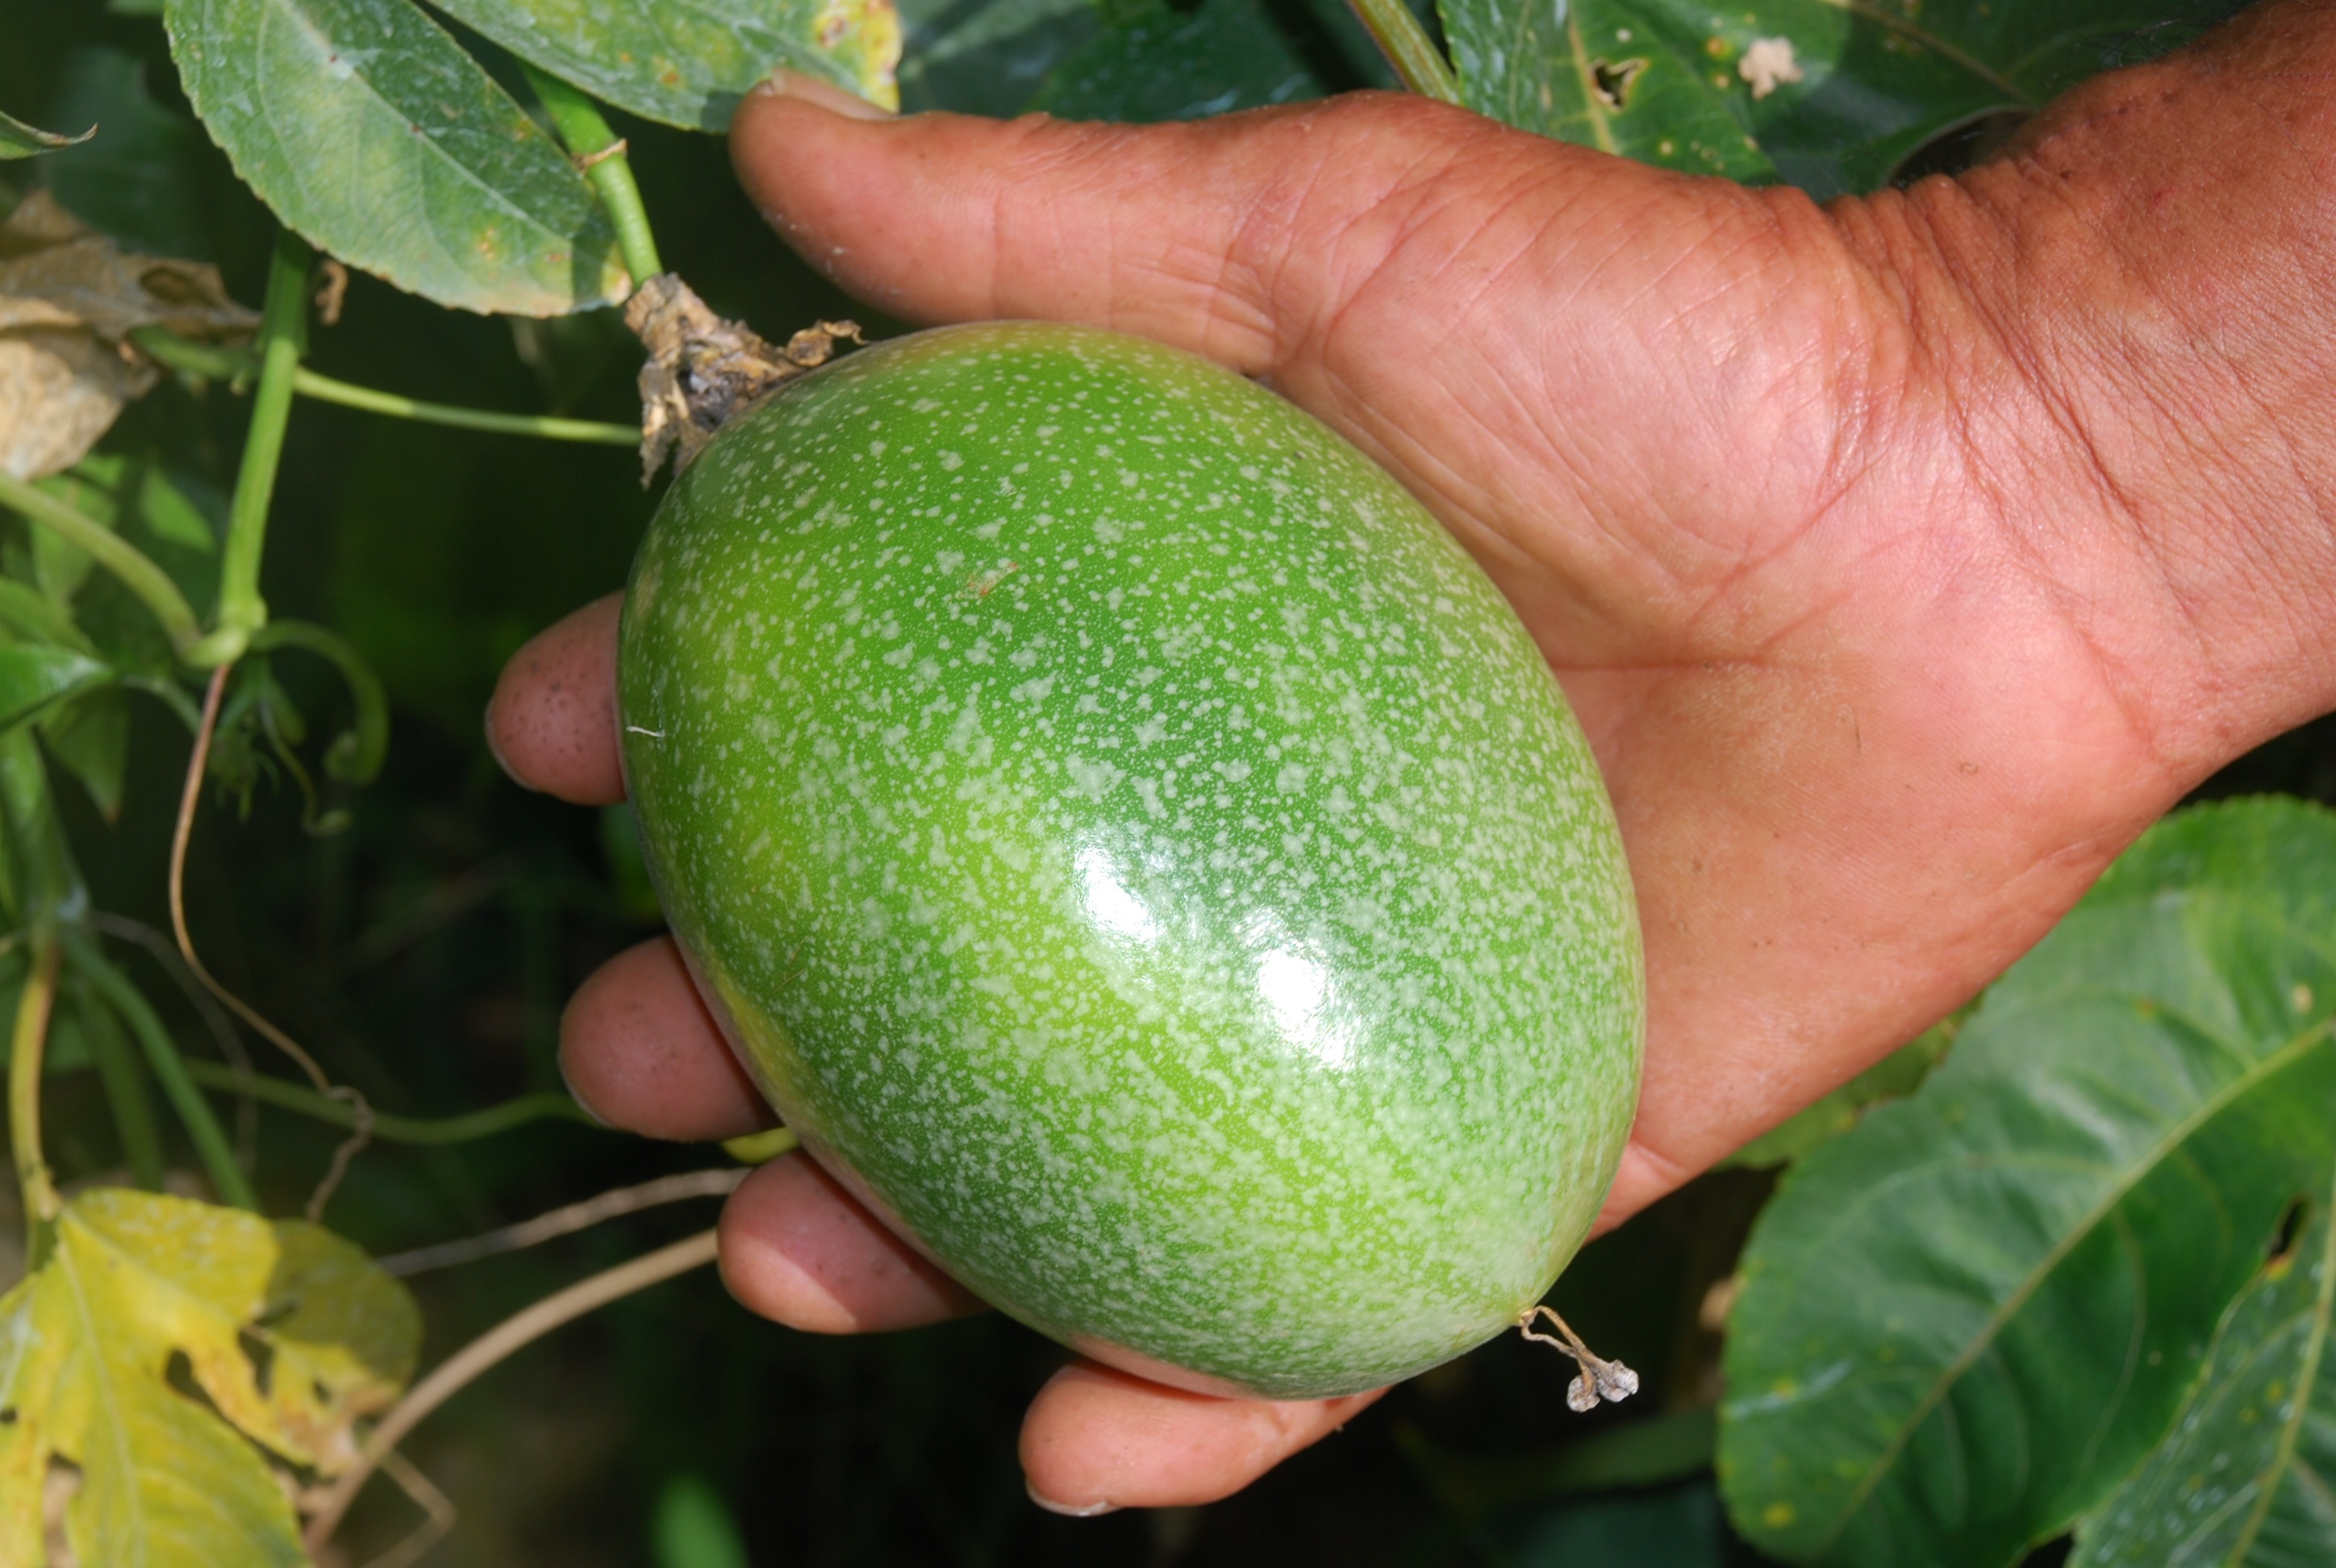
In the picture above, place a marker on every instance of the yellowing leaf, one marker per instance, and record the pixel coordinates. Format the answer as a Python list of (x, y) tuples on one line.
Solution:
[(291, 1333), (864, 37)]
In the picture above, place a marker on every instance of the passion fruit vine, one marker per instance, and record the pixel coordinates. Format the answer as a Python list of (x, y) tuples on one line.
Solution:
[(1139, 853)]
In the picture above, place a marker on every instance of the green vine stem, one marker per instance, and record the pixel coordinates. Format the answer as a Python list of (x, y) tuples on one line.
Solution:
[(125, 560), (462, 1129), (125, 1091), (283, 338), (324, 389), (357, 753), (170, 1069), (26, 1047), (1419, 64), (233, 365), (600, 154)]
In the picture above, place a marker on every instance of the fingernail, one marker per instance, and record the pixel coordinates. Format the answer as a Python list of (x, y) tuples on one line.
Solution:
[(827, 96), (1066, 1510), (495, 750)]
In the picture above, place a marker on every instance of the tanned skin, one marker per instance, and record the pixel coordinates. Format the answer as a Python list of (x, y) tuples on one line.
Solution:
[(1904, 558)]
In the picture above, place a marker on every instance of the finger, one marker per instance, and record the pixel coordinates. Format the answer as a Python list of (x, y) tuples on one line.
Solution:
[(1190, 233), (1644, 1175), (640, 1052), (552, 722), (797, 1248), (1097, 1440)]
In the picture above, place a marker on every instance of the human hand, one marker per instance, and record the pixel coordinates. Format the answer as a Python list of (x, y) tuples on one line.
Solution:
[(1903, 561)]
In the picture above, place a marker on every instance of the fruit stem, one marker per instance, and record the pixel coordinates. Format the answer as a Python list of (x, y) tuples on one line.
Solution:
[(283, 338), (600, 153), (124, 559), (1419, 64), (238, 363), (228, 1180), (25, 1048)]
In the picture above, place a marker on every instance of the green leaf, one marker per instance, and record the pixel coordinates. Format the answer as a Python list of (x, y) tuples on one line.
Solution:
[(1158, 63), (1645, 1451), (93, 487), (172, 515), (369, 130), (43, 882), (688, 62), (1893, 1077), (86, 1348), (1154, 60), (33, 675), (1831, 96), (988, 56), (18, 139), (30, 614), (2299, 1530), (694, 1528), (176, 508), (90, 739), (1608, 75), (1664, 1527), (149, 179), (2243, 1478), (1965, 1321)]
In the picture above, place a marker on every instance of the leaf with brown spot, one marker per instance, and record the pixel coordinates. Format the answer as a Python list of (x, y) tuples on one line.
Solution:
[(18, 139)]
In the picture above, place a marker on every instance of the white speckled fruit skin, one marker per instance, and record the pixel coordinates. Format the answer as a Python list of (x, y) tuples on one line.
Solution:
[(1132, 843)]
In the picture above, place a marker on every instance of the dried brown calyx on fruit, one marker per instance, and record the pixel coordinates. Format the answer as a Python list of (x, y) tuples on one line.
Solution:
[(704, 369)]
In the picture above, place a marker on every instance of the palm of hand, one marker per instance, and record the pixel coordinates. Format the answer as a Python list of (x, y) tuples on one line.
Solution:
[(1864, 743), (1862, 756)]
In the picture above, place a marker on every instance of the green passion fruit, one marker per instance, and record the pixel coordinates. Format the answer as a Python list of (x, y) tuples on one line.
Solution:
[(1139, 851)]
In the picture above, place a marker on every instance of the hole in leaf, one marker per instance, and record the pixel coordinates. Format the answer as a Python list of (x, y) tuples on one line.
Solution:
[(1612, 82), (262, 1357), (58, 1489), (2052, 1555), (2289, 1226), (178, 1372)]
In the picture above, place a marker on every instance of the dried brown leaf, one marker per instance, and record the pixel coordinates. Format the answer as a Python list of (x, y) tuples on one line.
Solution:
[(69, 300)]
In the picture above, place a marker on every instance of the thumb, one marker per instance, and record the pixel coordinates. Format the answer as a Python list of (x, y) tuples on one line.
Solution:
[(1239, 239)]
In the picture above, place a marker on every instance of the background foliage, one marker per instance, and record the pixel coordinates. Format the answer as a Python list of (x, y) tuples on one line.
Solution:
[(2127, 1149)]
